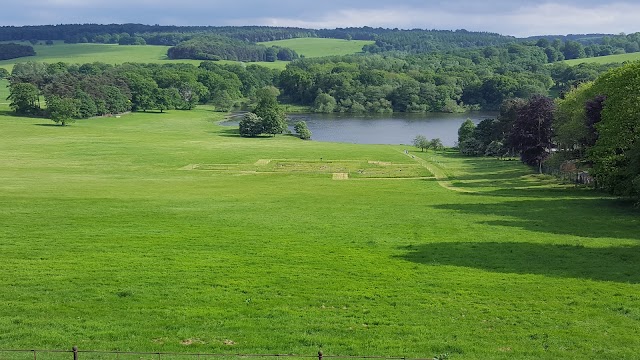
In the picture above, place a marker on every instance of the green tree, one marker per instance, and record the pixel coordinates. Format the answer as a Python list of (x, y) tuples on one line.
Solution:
[(421, 142), (616, 153), (4, 73), (24, 98), (250, 125), (271, 113), (436, 144), (465, 132), (324, 103), (62, 110), (302, 130)]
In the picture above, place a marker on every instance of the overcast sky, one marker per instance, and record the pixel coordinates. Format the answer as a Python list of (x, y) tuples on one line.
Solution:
[(508, 17)]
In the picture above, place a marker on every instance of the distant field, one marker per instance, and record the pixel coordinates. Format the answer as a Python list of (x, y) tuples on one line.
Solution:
[(606, 59), (319, 47), (168, 232), (108, 53)]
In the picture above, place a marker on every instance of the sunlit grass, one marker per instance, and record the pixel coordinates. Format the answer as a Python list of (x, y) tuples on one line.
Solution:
[(606, 59), (112, 238), (320, 47)]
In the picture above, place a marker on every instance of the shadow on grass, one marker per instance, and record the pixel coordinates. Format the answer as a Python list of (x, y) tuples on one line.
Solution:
[(584, 217), (52, 125), (618, 264)]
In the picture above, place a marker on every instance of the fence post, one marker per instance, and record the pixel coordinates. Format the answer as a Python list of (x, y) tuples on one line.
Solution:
[(75, 353), (320, 355), (35, 357)]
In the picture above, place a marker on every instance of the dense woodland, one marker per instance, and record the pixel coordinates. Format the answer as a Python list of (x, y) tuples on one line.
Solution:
[(71, 91), (239, 43), (13, 51)]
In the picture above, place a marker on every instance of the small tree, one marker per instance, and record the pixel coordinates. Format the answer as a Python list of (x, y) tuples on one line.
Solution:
[(250, 125), (302, 130), (436, 144), (421, 142)]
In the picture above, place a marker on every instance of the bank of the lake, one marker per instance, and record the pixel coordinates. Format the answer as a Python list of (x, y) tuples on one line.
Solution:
[(396, 128)]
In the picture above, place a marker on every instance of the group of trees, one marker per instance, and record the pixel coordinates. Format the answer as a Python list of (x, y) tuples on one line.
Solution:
[(82, 91), (597, 124), (216, 47), (594, 127), (13, 51), (523, 127), (451, 82), (267, 117), (422, 143)]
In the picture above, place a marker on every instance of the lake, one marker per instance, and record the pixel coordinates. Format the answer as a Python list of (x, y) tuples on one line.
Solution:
[(397, 128)]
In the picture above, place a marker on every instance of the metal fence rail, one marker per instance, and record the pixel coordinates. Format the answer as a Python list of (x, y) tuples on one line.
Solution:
[(77, 354)]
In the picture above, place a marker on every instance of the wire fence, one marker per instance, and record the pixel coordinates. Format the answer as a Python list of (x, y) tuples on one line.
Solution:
[(76, 354)]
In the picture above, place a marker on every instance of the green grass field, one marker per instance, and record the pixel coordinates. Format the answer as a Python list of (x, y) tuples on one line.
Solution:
[(606, 59), (107, 53), (167, 232), (116, 54), (320, 47)]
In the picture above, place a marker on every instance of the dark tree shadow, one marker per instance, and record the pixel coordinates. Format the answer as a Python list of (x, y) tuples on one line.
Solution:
[(618, 264), (584, 217), (51, 125)]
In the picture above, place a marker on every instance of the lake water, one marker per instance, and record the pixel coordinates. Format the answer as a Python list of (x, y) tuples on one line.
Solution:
[(397, 128)]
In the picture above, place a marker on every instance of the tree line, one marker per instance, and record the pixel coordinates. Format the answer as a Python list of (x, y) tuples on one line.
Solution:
[(13, 51), (592, 128), (73, 91), (215, 47), (454, 81)]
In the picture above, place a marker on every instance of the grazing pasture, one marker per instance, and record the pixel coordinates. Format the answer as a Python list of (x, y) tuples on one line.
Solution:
[(606, 59), (319, 47), (108, 53), (168, 232)]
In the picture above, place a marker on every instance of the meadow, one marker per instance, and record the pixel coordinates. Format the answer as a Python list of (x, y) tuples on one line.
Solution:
[(168, 232), (605, 59), (320, 47), (117, 54)]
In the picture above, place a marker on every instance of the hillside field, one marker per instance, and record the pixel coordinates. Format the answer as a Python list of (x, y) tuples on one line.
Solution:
[(319, 47), (110, 54), (117, 54), (606, 59), (168, 232)]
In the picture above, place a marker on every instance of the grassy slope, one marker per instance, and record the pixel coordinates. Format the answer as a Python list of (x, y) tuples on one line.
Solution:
[(606, 59), (318, 47), (112, 54), (116, 54), (106, 244)]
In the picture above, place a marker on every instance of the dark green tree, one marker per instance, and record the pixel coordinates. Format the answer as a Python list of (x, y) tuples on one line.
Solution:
[(24, 98)]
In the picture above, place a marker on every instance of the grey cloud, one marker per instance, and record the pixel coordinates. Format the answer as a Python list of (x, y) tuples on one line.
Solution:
[(517, 17)]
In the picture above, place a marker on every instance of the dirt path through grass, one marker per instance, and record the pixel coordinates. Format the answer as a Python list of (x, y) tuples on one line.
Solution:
[(438, 173)]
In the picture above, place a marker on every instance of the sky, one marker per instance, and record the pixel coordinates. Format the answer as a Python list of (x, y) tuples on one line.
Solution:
[(508, 17)]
